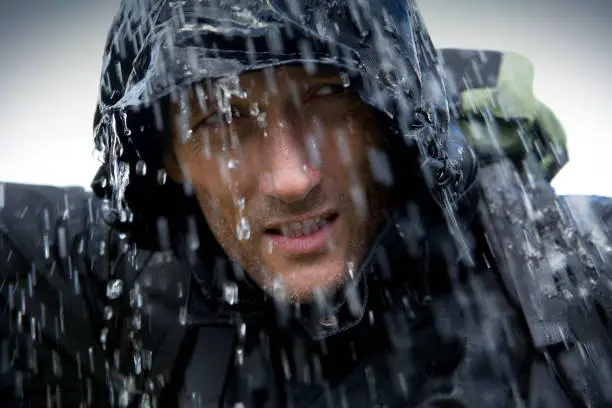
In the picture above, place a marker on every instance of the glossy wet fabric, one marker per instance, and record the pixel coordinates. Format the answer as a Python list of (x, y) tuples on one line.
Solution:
[(411, 349)]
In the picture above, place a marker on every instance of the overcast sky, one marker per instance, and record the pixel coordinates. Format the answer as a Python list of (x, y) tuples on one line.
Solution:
[(51, 54)]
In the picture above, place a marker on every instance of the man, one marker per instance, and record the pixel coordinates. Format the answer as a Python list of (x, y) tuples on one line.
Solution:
[(285, 219)]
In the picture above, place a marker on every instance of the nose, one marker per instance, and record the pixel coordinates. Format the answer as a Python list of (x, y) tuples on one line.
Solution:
[(291, 176)]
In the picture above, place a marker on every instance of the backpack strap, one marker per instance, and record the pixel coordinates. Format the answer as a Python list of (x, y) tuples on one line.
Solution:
[(156, 285), (552, 277), (206, 373)]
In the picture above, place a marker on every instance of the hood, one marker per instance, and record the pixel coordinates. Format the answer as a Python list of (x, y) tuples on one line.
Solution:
[(157, 48)]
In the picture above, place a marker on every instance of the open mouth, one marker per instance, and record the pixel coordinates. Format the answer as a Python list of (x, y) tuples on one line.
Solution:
[(307, 236), (302, 228)]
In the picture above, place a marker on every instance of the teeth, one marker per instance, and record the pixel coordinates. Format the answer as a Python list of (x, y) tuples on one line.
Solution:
[(309, 225), (306, 227)]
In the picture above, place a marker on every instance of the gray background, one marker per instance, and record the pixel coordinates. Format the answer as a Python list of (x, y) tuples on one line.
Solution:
[(51, 54)]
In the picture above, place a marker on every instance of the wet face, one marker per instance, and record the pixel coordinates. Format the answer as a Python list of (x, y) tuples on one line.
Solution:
[(278, 161)]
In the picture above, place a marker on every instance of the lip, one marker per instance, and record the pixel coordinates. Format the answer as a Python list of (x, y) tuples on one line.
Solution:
[(304, 244)]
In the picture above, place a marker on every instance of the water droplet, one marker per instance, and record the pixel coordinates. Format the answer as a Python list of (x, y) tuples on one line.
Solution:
[(342, 138), (91, 358), (239, 356), (46, 246), (62, 242), (243, 229), (254, 109), (147, 357), (162, 176), (145, 401), (344, 77), (262, 120), (353, 298), (380, 167), (102, 248), (183, 316), (306, 52), (123, 216), (141, 167), (314, 155), (104, 337), (359, 200), (114, 289), (137, 363), (136, 298), (56, 364), (124, 398), (124, 246), (240, 204), (233, 163), (161, 380), (108, 313), (137, 321), (230, 292), (278, 288)]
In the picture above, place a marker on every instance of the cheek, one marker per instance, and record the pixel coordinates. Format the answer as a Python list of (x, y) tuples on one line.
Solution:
[(210, 188), (344, 151), (214, 178), (218, 183)]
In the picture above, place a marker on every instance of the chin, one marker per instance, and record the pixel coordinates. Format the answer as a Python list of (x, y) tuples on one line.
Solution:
[(301, 285)]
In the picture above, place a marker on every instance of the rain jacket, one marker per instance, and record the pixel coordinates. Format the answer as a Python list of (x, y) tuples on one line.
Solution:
[(106, 302), (409, 349)]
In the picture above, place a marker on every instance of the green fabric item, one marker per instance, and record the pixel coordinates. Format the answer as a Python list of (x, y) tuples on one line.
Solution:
[(499, 113), (513, 96)]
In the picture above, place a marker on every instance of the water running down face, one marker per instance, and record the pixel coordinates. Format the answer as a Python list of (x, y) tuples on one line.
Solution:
[(278, 162)]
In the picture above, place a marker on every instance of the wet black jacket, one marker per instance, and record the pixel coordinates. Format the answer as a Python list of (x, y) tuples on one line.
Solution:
[(418, 341)]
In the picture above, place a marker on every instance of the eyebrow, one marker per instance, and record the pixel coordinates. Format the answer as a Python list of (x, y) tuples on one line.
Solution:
[(210, 104), (324, 74)]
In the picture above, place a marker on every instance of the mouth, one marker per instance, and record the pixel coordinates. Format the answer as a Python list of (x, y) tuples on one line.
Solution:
[(301, 237)]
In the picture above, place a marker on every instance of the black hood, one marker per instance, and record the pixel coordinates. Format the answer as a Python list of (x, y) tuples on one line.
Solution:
[(157, 48)]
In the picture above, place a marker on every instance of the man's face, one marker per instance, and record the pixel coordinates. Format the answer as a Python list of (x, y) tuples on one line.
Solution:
[(285, 185)]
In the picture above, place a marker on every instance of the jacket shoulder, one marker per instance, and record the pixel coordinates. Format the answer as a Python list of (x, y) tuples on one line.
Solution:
[(602, 207), (592, 215), (39, 226), (29, 215)]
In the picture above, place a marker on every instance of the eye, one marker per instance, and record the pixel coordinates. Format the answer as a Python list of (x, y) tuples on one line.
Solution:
[(212, 119), (218, 117), (329, 89)]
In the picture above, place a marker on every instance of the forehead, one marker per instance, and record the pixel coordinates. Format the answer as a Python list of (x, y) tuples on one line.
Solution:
[(288, 73)]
